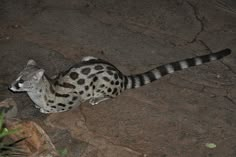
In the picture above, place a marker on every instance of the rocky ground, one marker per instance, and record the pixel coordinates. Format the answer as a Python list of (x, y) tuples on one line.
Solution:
[(172, 117)]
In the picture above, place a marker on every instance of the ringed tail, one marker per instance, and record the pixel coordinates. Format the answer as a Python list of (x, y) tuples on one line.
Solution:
[(138, 80)]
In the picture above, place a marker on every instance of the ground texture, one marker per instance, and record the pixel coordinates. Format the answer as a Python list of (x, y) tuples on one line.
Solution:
[(172, 117)]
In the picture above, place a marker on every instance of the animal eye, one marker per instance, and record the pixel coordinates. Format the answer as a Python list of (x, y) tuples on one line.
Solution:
[(21, 81)]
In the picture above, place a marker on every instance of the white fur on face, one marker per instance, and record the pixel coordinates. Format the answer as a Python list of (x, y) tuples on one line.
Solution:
[(20, 85)]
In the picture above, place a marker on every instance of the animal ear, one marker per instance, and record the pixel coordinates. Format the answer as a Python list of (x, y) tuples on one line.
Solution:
[(31, 62), (39, 74)]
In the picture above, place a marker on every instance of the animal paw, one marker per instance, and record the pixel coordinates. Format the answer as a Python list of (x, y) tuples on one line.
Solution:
[(43, 111), (92, 101)]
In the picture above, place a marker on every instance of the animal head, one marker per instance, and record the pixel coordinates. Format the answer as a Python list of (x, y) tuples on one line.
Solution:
[(28, 78)]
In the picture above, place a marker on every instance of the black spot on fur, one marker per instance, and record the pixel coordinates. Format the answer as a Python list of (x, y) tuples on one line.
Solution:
[(99, 72), (62, 105), (98, 90), (74, 98), (70, 107), (120, 75), (109, 90), (81, 81), (114, 91), (81, 92), (117, 83), (89, 95), (112, 82), (74, 75), (102, 85), (86, 87), (91, 76), (71, 102), (116, 76), (62, 95), (106, 79), (95, 79), (50, 101), (111, 68), (109, 72), (98, 67), (67, 85), (93, 87), (53, 107), (85, 71)]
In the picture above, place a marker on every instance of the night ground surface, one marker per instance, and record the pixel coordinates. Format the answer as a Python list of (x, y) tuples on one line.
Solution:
[(172, 117)]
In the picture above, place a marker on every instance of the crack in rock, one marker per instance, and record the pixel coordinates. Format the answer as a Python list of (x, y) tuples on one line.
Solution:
[(205, 45), (230, 99), (199, 19), (228, 67)]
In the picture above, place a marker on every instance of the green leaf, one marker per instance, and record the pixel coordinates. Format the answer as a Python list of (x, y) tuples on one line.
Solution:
[(210, 145), (1, 120), (6, 132), (62, 152)]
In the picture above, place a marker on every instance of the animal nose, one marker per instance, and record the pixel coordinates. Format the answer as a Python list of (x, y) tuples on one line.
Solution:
[(9, 87)]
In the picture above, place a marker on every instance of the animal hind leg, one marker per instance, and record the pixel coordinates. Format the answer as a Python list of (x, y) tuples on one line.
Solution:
[(95, 101)]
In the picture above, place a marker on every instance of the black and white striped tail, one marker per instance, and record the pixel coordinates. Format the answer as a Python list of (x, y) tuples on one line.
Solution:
[(135, 81)]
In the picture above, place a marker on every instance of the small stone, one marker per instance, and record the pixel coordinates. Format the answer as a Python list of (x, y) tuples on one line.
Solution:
[(218, 76), (16, 26)]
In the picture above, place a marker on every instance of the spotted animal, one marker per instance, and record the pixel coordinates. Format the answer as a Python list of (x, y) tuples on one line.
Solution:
[(92, 79)]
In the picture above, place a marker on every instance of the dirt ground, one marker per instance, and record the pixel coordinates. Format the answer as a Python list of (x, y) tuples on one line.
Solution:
[(172, 117)]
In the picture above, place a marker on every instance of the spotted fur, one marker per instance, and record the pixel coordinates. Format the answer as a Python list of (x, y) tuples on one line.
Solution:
[(92, 79)]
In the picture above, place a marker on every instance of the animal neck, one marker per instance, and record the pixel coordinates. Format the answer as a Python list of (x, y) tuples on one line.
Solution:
[(42, 92)]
